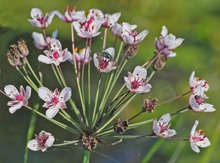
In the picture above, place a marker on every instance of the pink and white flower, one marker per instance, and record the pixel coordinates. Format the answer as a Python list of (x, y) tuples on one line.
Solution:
[(39, 40), (161, 127), (198, 138), (116, 30), (39, 20), (19, 99), (71, 15), (136, 82), (131, 37), (41, 142), (110, 20), (83, 56), (198, 84), (96, 14), (55, 55), (197, 103), (54, 101), (88, 29), (104, 61), (167, 43)]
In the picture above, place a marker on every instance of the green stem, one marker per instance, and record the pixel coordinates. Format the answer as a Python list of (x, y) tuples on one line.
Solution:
[(33, 73), (86, 156), (54, 121), (96, 101), (28, 80), (31, 128)]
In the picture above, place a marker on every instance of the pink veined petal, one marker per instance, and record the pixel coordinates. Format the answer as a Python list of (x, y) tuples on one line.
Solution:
[(45, 94), (11, 91), (44, 59), (12, 109), (65, 94), (13, 103), (51, 112), (33, 145), (194, 147), (66, 55)]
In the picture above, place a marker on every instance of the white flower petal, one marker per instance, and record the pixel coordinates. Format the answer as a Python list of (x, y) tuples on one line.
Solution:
[(49, 141), (164, 31), (12, 109), (65, 94), (51, 112), (204, 143), (194, 147), (11, 91), (44, 59), (44, 93), (33, 145)]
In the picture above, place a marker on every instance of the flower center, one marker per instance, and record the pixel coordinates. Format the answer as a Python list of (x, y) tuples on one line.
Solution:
[(103, 64), (199, 99), (163, 127), (56, 55), (55, 100), (135, 84), (19, 98)]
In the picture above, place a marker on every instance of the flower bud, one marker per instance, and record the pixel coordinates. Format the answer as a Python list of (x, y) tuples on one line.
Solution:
[(120, 126), (14, 57), (17, 53), (23, 48), (148, 104), (89, 142), (130, 51), (159, 62)]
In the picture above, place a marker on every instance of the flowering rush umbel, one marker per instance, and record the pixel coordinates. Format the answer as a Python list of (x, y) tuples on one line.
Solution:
[(90, 101)]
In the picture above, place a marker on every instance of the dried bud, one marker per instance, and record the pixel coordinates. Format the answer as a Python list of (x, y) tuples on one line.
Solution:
[(120, 126), (148, 104), (17, 53), (89, 142), (159, 62), (14, 57), (23, 48), (130, 51)]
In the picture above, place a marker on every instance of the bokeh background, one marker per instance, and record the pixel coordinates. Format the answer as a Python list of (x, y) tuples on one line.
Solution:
[(196, 21)]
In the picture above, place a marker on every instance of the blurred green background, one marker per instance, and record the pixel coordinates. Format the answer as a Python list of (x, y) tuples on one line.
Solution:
[(196, 21)]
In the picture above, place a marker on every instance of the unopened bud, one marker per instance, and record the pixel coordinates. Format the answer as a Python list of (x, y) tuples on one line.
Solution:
[(130, 51), (17, 53), (23, 48), (14, 57), (120, 126), (159, 62), (148, 104), (89, 142)]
